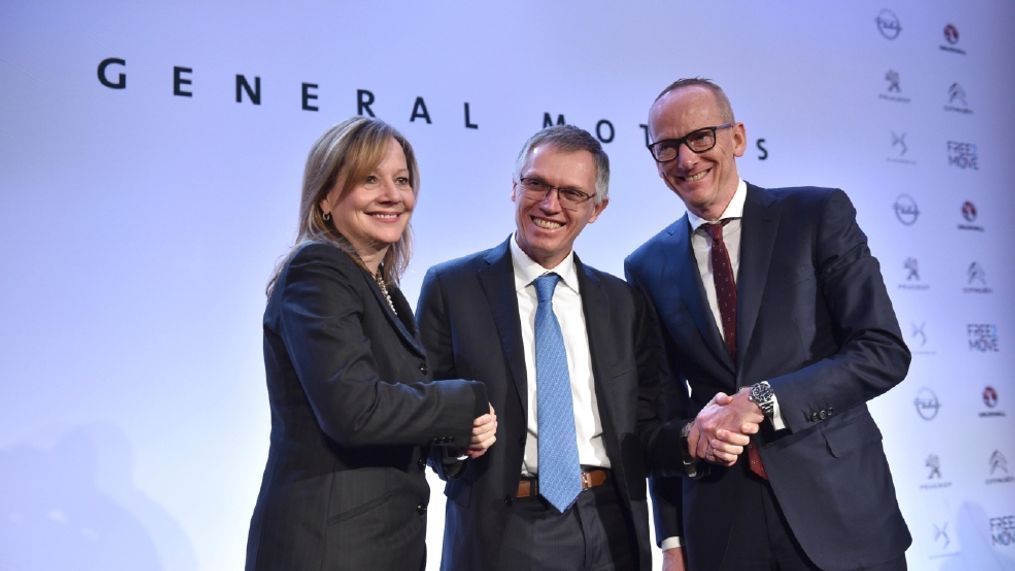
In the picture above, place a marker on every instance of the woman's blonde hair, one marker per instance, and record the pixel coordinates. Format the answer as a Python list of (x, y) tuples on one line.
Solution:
[(348, 152)]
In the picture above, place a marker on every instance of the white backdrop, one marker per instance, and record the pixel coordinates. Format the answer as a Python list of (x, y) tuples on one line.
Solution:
[(138, 227)]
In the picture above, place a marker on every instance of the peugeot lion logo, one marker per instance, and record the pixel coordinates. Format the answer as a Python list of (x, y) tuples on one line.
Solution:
[(893, 81), (913, 267), (934, 463)]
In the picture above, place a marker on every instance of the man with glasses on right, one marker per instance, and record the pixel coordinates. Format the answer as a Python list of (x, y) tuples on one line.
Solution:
[(776, 316)]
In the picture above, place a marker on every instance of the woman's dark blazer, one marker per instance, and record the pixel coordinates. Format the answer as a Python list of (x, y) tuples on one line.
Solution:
[(353, 413)]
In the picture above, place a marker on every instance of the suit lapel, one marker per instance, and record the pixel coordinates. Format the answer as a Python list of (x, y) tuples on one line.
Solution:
[(498, 281), (403, 322), (595, 306), (600, 328), (757, 239), (682, 270)]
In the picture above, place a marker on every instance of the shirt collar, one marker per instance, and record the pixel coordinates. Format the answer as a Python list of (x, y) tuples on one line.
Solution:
[(527, 270), (735, 209)]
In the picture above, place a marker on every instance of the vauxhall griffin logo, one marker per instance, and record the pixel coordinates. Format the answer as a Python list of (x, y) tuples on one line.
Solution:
[(952, 37), (951, 34), (990, 401), (990, 396), (927, 404), (888, 24), (906, 210), (969, 211), (969, 214)]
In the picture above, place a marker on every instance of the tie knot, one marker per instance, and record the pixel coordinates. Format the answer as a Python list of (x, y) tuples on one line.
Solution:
[(544, 286), (714, 230)]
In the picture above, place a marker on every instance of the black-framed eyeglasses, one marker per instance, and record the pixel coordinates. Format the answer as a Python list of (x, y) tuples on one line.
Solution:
[(539, 189), (699, 141)]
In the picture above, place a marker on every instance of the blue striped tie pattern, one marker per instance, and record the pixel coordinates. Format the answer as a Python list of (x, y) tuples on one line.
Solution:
[(559, 470)]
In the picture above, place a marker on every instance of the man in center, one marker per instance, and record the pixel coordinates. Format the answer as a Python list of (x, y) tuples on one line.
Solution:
[(570, 363)]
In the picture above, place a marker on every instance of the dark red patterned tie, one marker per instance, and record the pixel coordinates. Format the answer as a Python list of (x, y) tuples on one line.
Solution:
[(726, 296), (725, 287)]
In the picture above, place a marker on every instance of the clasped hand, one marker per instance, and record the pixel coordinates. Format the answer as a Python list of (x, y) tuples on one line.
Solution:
[(722, 429), (484, 434)]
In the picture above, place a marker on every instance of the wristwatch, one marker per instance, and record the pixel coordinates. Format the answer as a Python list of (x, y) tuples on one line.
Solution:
[(762, 395)]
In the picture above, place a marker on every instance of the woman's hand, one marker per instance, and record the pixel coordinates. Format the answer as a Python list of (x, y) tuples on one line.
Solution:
[(484, 434)]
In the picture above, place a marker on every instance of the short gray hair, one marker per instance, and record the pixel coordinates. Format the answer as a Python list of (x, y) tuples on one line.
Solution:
[(569, 138)]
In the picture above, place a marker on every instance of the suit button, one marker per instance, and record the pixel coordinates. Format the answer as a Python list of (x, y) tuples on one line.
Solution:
[(421, 464), (823, 414), (814, 417), (420, 509), (831, 410), (507, 500), (422, 368)]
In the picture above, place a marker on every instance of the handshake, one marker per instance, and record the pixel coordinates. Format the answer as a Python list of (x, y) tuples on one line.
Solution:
[(484, 434), (722, 429)]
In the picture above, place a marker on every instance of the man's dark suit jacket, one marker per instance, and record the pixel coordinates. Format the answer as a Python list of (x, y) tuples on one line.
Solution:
[(469, 323), (813, 319), (351, 418)]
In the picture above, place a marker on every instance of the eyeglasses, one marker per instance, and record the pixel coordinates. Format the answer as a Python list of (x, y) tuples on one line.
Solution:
[(538, 189), (698, 141)]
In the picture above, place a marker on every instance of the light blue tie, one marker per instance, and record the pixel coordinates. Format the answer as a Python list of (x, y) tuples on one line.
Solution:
[(559, 471)]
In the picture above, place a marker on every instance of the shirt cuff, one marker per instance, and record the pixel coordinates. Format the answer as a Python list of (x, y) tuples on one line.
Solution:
[(777, 422), (671, 543)]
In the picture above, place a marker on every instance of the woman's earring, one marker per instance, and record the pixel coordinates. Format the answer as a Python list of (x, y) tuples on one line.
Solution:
[(326, 216)]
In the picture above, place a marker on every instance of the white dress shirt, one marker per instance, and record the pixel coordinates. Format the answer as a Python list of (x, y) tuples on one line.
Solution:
[(701, 243), (567, 306)]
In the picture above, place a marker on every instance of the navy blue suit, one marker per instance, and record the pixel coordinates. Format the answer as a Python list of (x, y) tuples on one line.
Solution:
[(469, 323), (353, 416), (815, 320)]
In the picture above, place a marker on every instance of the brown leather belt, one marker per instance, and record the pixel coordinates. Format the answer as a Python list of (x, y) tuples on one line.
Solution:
[(591, 478)]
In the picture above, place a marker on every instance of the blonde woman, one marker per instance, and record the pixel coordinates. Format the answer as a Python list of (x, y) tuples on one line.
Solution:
[(354, 411)]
